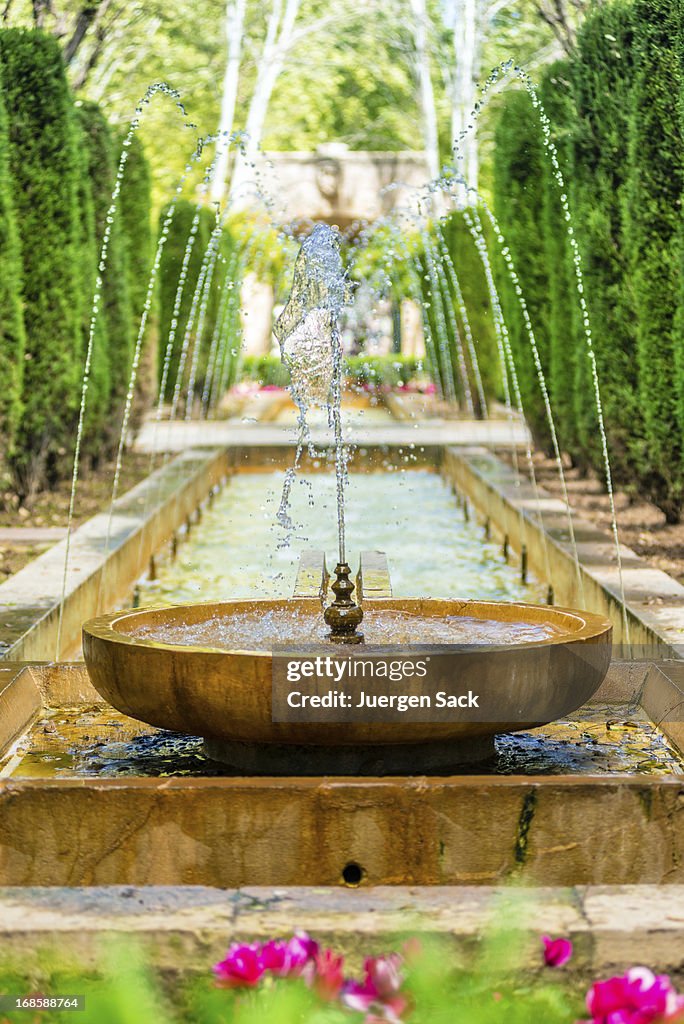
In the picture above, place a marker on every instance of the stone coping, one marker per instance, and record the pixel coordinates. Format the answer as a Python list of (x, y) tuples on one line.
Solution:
[(654, 600), (183, 435), (188, 928), (101, 573)]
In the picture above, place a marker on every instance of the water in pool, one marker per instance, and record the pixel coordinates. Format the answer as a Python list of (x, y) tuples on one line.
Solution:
[(411, 515)]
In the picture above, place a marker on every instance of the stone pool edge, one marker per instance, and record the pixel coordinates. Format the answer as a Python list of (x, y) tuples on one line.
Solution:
[(105, 559), (184, 930)]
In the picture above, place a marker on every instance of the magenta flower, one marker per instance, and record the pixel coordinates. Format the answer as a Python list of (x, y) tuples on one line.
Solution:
[(287, 958), (302, 947), (243, 967), (380, 990), (637, 997), (328, 976), (556, 951)]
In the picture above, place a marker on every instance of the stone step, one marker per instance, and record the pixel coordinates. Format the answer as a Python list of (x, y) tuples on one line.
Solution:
[(188, 928)]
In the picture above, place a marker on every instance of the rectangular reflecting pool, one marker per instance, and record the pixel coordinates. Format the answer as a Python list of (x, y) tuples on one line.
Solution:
[(240, 550)]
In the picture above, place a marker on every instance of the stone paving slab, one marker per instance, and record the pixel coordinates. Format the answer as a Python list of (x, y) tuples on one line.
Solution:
[(188, 928)]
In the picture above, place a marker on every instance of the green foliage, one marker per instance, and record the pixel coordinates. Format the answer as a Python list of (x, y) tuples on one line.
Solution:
[(45, 169), (383, 371), (135, 206), (566, 342), (473, 284), (385, 258), (170, 269), (99, 384), (12, 336), (116, 308), (519, 175), (602, 76), (616, 120), (391, 370), (653, 215), (210, 335), (354, 85), (490, 986), (268, 370)]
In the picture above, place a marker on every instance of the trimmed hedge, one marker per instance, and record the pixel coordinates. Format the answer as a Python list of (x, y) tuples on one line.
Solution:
[(564, 321), (12, 336), (169, 275), (616, 113), (473, 283), (653, 217), (135, 206), (45, 168), (99, 385), (602, 78), (519, 183), (390, 370), (116, 306)]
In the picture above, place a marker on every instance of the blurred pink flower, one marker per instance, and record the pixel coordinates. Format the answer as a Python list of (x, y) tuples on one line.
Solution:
[(556, 951), (379, 991), (637, 997), (328, 975), (287, 958), (243, 967)]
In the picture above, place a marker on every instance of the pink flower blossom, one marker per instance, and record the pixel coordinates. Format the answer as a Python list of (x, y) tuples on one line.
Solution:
[(556, 951), (243, 967), (637, 997), (379, 991), (287, 958), (328, 975)]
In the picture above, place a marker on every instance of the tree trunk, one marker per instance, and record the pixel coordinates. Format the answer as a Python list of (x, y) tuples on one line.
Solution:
[(427, 96), (271, 64), (464, 15), (235, 20)]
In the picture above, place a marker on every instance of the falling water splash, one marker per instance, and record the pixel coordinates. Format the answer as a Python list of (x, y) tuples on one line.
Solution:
[(163, 89), (308, 332), (501, 71), (509, 377)]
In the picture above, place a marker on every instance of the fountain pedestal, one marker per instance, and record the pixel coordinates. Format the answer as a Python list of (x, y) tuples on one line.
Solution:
[(227, 695), (432, 758)]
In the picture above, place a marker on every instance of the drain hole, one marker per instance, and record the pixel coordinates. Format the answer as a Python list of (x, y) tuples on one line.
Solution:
[(352, 873)]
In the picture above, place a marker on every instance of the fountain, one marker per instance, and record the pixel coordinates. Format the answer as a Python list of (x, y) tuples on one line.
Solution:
[(213, 669)]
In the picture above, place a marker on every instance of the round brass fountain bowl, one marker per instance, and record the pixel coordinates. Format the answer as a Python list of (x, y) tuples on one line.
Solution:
[(225, 696)]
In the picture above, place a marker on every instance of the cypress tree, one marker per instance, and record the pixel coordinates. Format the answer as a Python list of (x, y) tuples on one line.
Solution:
[(473, 283), (653, 215), (519, 173), (12, 336), (97, 400), (116, 307), (169, 275), (45, 170), (564, 319), (602, 77), (135, 205)]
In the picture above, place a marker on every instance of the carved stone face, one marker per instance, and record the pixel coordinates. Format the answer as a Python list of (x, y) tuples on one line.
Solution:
[(328, 177)]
